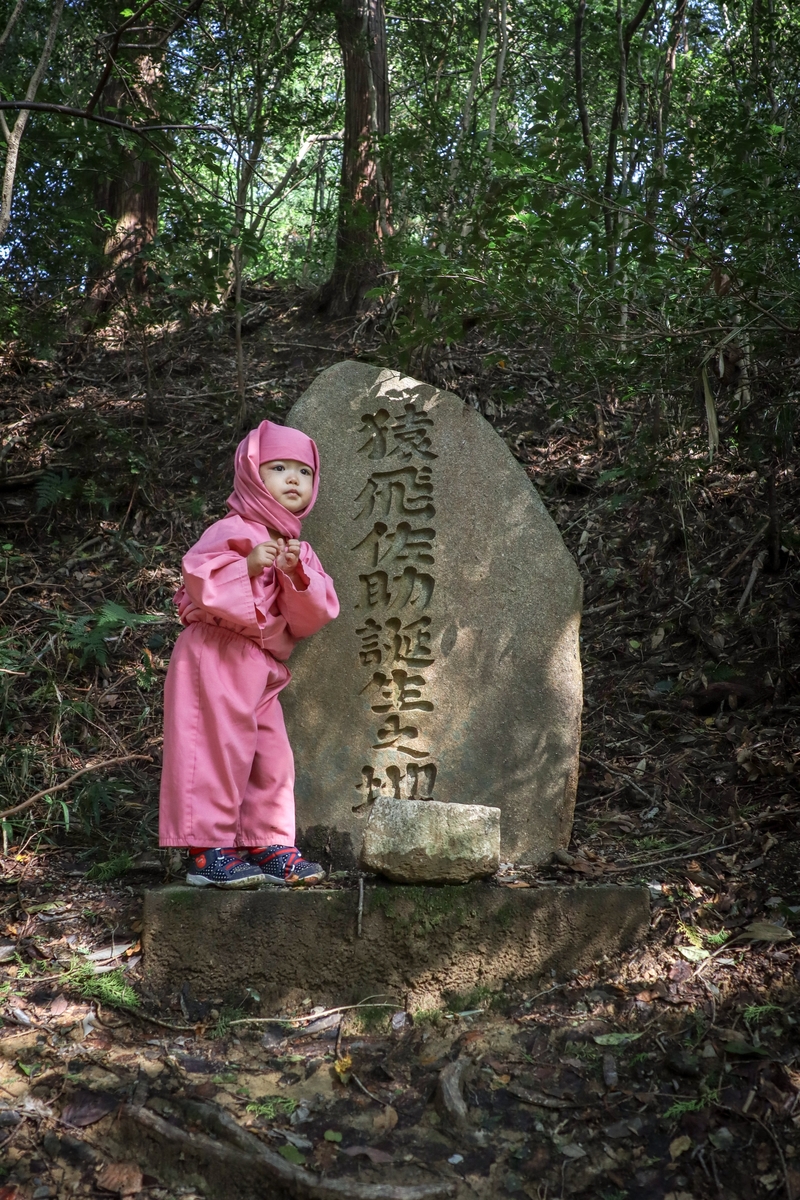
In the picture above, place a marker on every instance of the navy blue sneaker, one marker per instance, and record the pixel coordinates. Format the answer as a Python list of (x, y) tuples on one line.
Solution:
[(285, 866), (222, 867)]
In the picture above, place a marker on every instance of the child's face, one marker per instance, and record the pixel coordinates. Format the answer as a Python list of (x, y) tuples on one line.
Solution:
[(289, 482)]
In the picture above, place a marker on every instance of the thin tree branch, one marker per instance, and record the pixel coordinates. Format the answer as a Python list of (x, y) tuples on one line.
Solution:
[(111, 55), (626, 37), (15, 135), (580, 96), (60, 787), (65, 110), (502, 20), (473, 85), (180, 20), (12, 20)]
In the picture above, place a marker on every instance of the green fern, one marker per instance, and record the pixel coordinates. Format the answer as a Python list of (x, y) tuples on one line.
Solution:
[(681, 1107), (109, 988), (112, 869), (88, 634), (228, 1013), (53, 488), (10, 656), (717, 939), (692, 935), (272, 1107), (701, 937), (755, 1013)]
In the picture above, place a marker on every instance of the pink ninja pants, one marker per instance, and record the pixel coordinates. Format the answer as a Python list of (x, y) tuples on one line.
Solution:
[(228, 774)]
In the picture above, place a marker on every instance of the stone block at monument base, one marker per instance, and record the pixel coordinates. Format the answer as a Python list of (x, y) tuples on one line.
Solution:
[(422, 841), (418, 945)]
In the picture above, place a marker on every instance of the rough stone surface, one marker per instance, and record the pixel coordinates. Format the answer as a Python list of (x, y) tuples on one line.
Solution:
[(453, 670), (420, 841), (418, 943)]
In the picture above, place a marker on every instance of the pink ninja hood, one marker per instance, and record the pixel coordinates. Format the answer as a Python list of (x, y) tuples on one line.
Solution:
[(250, 499)]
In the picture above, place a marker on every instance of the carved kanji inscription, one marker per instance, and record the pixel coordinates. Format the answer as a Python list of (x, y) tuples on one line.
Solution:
[(398, 548)]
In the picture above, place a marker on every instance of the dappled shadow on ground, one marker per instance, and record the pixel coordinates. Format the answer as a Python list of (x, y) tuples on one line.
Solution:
[(668, 1072), (687, 784)]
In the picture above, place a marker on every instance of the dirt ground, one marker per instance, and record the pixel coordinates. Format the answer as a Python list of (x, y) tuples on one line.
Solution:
[(671, 1075)]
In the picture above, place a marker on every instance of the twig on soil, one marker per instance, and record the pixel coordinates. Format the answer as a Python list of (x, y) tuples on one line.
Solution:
[(143, 1016), (60, 787), (614, 771), (308, 346), (599, 796), (758, 563), (329, 1012), (787, 1183), (601, 608), (555, 988), (741, 557), (367, 1092), (360, 903), (660, 862)]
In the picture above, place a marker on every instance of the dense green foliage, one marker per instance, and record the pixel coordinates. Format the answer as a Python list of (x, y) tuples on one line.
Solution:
[(618, 181)]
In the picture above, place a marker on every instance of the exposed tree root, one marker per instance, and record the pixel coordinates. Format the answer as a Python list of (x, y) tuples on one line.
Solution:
[(232, 1164)]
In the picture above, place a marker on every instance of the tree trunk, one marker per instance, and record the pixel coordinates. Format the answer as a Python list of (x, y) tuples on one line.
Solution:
[(364, 203), (580, 95), (130, 86), (626, 34), (128, 199), (662, 107)]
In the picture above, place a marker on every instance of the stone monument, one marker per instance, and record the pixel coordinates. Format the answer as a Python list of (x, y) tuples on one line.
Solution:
[(452, 673)]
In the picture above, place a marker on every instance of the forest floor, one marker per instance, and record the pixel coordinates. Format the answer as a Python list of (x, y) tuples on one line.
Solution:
[(671, 1074)]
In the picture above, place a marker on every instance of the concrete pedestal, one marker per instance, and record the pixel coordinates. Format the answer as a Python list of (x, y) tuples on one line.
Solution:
[(417, 944)]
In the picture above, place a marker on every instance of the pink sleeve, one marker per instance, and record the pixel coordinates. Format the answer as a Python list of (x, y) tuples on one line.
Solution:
[(216, 578), (308, 610)]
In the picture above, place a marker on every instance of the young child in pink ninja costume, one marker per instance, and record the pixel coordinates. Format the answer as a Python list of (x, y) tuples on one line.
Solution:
[(250, 591)]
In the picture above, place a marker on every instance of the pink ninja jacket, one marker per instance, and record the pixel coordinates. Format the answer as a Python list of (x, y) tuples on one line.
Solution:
[(217, 589), (269, 609)]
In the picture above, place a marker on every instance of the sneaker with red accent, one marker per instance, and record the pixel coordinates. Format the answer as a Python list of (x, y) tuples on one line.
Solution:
[(222, 867), (285, 866)]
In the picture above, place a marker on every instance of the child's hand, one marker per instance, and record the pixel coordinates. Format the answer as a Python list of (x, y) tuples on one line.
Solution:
[(289, 555), (263, 556)]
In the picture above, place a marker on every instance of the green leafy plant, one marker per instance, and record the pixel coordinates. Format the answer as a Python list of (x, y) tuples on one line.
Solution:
[(271, 1107), (228, 1013), (90, 634), (54, 487), (701, 937), (99, 801), (429, 1016), (754, 1014), (717, 939), (10, 655), (371, 1018), (291, 1154), (697, 1104), (692, 935), (477, 997), (113, 868), (109, 988)]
